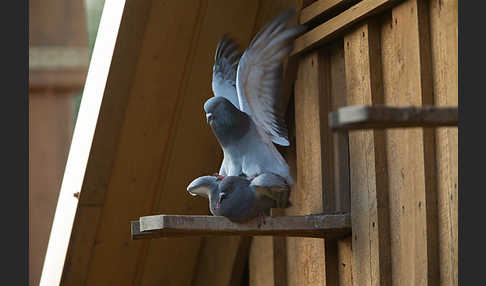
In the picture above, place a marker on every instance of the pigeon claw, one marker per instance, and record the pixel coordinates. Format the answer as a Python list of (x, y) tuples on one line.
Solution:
[(261, 219)]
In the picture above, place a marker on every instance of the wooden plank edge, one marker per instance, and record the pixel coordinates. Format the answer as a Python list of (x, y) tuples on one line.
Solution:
[(136, 233), (322, 10), (382, 116), (332, 28), (316, 225)]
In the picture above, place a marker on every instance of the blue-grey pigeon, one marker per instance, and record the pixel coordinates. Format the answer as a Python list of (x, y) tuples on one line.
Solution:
[(245, 114), (240, 199)]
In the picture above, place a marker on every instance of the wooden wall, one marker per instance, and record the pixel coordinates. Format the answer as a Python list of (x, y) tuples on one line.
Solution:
[(58, 66), (402, 182)]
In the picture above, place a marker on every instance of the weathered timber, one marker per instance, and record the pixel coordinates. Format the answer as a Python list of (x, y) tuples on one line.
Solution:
[(315, 225), (332, 28), (381, 116), (321, 10)]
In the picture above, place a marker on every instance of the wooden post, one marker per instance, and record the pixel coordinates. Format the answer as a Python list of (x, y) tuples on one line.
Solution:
[(444, 33), (369, 201), (407, 77)]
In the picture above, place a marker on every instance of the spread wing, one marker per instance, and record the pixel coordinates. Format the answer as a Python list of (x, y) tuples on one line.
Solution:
[(273, 187), (259, 79), (224, 70)]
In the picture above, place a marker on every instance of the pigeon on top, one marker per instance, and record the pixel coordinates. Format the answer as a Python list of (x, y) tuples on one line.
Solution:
[(240, 199), (246, 113)]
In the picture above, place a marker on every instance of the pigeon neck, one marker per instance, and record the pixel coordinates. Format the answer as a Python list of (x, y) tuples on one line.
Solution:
[(237, 129)]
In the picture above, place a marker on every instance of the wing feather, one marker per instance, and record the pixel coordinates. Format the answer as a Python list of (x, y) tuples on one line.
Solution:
[(273, 187), (259, 79), (225, 66)]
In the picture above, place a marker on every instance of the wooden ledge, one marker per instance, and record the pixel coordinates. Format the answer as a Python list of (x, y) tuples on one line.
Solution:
[(330, 225), (382, 116)]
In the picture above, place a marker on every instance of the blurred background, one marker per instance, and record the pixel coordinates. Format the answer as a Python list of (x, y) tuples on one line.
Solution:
[(61, 38)]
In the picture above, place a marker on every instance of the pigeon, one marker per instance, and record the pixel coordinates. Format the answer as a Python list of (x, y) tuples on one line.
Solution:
[(240, 199), (245, 113)]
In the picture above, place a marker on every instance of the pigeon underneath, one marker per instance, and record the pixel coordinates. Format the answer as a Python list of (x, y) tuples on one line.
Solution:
[(240, 199)]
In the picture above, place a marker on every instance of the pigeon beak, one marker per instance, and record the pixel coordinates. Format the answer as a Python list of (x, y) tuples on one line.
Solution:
[(209, 117), (221, 197)]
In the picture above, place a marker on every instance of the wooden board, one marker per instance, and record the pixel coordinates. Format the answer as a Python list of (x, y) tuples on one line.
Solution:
[(320, 10), (345, 261), (306, 263), (380, 116), (444, 41), (261, 260), (410, 153), (304, 226), (331, 29), (369, 200)]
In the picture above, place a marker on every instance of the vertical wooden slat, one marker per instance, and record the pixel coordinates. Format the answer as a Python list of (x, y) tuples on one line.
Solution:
[(345, 257), (305, 261), (340, 141), (261, 262), (410, 153), (368, 193), (443, 27), (340, 156)]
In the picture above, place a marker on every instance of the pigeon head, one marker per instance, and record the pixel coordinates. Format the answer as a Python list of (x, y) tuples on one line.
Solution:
[(227, 121), (230, 185), (204, 186)]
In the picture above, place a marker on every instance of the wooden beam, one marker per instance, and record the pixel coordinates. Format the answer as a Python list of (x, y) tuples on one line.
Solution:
[(330, 29), (319, 9), (444, 46), (381, 116), (310, 191), (181, 225)]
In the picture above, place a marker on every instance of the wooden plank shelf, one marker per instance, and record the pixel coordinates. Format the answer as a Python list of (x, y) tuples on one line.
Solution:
[(382, 116), (315, 225)]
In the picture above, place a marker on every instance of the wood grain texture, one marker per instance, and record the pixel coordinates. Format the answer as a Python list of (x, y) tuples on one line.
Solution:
[(444, 41), (339, 152), (410, 153), (369, 200), (321, 160), (261, 259), (332, 28), (380, 116), (319, 9), (306, 263), (222, 260), (304, 226), (345, 261)]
